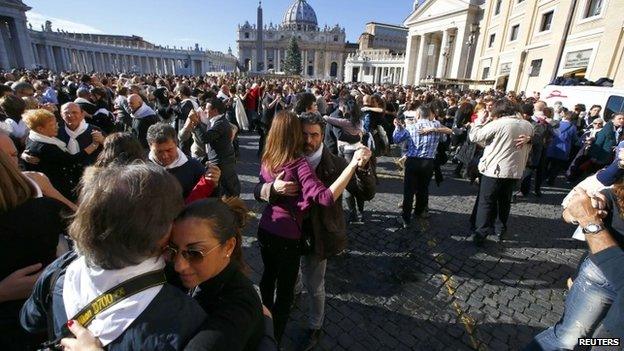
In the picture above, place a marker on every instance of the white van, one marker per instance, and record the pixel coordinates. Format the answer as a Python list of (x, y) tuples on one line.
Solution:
[(611, 99)]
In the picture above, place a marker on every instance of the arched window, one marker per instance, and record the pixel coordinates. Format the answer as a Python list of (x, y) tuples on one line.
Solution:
[(333, 70)]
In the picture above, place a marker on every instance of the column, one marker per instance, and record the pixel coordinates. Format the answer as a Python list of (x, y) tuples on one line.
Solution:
[(50, 57), (279, 58), (441, 69), (265, 65), (422, 51), (411, 54), (66, 60), (23, 40), (93, 61), (4, 57), (34, 49), (456, 70)]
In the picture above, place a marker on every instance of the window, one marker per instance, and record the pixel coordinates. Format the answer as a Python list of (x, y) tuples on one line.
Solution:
[(615, 104), (333, 69), (486, 73), (514, 32), (310, 71), (246, 35), (536, 66), (546, 21), (335, 38), (497, 9), (491, 42), (593, 8)]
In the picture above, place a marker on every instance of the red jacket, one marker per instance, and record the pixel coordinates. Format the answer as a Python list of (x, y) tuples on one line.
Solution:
[(203, 189)]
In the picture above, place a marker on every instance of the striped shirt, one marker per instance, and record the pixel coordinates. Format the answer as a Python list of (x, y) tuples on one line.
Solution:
[(419, 145)]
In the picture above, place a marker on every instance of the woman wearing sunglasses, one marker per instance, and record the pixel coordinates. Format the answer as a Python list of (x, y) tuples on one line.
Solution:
[(205, 251)]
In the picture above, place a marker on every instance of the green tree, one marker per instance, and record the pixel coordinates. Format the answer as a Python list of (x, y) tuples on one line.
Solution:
[(292, 64)]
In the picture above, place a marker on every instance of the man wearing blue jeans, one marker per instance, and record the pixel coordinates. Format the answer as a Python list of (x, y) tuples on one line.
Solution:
[(597, 294), (422, 138)]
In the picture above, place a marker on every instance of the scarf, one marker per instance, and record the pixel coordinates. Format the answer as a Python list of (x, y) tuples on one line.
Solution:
[(143, 111), (315, 158), (83, 101), (72, 145), (193, 102), (34, 136), (182, 159), (82, 284)]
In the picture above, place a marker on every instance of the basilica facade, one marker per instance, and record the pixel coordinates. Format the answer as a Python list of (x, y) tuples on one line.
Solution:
[(262, 48)]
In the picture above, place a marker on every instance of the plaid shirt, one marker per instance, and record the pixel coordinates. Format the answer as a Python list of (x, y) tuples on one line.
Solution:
[(419, 145)]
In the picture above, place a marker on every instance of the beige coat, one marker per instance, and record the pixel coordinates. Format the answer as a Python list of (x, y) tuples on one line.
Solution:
[(501, 158)]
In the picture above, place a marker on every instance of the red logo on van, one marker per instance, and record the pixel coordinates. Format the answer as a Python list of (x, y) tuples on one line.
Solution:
[(555, 94)]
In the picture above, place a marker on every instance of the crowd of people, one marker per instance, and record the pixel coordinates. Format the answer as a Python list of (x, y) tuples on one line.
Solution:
[(133, 182)]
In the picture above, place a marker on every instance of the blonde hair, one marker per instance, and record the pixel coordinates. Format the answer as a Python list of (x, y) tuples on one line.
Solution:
[(37, 118), (15, 188)]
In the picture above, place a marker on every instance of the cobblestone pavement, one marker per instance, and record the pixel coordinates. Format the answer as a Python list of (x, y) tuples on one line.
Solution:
[(433, 290)]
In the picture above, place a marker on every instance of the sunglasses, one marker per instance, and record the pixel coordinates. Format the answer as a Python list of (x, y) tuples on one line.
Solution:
[(191, 255)]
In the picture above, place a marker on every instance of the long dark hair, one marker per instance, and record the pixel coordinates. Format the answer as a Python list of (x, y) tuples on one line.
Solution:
[(352, 111)]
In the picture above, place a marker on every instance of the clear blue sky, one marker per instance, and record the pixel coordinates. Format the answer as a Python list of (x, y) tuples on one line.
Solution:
[(210, 23)]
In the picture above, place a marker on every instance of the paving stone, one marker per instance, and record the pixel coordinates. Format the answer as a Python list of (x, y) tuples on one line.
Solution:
[(388, 291)]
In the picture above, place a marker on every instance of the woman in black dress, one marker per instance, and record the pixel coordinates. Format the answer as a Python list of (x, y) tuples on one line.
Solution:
[(30, 225), (54, 158)]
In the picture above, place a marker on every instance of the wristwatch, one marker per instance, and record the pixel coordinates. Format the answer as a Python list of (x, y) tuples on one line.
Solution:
[(592, 228)]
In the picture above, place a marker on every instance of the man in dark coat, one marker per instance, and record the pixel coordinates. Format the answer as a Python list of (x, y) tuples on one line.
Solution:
[(217, 134), (76, 133), (142, 118), (326, 225)]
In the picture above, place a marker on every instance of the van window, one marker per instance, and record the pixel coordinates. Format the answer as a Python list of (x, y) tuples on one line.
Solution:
[(614, 104)]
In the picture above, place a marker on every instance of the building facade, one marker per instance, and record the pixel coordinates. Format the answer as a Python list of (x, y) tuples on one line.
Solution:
[(22, 46), (383, 36), (262, 48), (377, 66), (527, 43), (379, 58), (441, 41)]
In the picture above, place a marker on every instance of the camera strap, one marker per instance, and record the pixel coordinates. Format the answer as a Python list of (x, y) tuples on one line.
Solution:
[(111, 297)]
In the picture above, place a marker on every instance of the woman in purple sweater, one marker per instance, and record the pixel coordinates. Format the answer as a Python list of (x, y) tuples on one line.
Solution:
[(279, 231)]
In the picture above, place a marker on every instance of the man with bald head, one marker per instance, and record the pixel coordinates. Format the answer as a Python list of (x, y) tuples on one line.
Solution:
[(143, 117)]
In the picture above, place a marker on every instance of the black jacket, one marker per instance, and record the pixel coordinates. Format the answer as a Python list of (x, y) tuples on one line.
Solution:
[(218, 136), (24, 242), (84, 140), (58, 165), (235, 320)]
